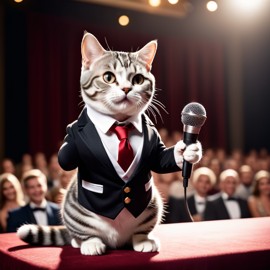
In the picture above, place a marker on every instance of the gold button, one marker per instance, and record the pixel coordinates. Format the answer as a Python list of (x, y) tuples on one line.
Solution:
[(127, 189), (127, 200)]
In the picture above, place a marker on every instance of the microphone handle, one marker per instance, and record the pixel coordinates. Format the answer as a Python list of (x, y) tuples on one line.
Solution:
[(189, 138)]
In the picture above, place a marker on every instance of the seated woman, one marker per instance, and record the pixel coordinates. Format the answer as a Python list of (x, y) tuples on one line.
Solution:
[(11, 196), (259, 201)]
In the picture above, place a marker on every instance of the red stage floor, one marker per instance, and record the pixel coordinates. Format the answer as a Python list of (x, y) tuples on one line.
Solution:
[(229, 244)]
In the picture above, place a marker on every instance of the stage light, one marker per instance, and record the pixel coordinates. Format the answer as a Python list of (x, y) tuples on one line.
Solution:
[(212, 6), (123, 20), (173, 2), (154, 3), (248, 5), (18, 1)]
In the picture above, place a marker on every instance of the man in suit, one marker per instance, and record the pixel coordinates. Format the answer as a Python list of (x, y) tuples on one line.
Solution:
[(38, 210), (203, 180), (227, 206)]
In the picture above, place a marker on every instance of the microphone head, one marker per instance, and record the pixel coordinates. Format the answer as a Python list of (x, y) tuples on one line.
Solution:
[(193, 115)]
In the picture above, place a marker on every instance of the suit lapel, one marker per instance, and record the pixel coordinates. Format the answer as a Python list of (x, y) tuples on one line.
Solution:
[(30, 215), (147, 134), (192, 207), (222, 209), (50, 215), (243, 211), (90, 137)]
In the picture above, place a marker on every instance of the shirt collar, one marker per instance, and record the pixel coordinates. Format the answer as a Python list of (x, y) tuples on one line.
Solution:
[(225, 196), (104, 122), (42, 205), (199, 198)]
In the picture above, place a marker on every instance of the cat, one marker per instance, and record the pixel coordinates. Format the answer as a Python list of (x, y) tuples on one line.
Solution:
[(105, 206)]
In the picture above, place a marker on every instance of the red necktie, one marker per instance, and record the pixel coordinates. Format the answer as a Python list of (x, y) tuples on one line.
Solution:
[(125, 152)]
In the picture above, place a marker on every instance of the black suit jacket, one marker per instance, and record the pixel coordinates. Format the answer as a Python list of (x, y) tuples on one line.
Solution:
[(83, 148), (216, 209), (176, 210), (24, 215)]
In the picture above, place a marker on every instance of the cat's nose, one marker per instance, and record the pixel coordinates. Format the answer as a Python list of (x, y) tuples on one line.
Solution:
[(126, 90)]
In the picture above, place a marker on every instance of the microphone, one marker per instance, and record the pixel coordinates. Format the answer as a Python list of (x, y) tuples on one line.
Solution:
[(193, 117)]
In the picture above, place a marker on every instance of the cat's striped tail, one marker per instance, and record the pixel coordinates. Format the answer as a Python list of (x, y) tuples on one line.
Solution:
[(44, 235)]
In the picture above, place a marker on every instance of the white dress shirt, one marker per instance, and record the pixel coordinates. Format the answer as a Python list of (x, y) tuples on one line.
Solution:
[(40, 216), (109, 139), (199, 203), (233, 207)]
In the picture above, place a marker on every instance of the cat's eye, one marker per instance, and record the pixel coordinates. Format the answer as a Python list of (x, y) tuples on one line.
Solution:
[(138, 79), (109, 77)]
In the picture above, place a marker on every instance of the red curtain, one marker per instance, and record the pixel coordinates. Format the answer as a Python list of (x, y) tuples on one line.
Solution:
[(186, 70)]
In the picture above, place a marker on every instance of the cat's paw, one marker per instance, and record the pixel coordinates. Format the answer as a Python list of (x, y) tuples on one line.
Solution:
[(93, 246), (75, 243), (191, 153), (142, 243)]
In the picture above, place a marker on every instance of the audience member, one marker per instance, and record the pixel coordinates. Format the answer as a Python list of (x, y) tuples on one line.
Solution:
[(176, 189), (56, 194), (11, 196), (38, 210), (216, 167), (164, 182), (25, 165), (259, 201), (40, 162), (225, 206), (203, 180), (54, 172), (8, 166), (245, 187)]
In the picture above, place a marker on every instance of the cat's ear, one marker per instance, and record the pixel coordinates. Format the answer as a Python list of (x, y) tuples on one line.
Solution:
[(147, 53), (91, 49)]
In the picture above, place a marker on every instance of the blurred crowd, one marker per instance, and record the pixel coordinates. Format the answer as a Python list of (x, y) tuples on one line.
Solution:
[(35, 187), (222, 186)]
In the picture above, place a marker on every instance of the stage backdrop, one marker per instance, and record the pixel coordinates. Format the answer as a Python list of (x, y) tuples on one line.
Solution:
[(45, 79), (185, 71)]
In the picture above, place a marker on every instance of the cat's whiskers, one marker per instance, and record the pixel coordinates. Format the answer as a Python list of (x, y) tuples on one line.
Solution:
[(81, 103), (150, 111), (145, 103), (160, 104)]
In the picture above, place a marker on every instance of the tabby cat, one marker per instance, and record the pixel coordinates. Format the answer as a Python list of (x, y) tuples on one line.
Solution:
[(105, 206)]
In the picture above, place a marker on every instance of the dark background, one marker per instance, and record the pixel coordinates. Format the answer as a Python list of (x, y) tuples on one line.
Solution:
[(195, 62)]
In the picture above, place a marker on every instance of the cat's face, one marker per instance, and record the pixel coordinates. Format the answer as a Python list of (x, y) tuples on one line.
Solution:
[(116, 83)]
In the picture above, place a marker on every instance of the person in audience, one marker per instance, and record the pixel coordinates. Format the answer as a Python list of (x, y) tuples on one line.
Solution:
[(245, 187), (54, 171), (263, 164), (259, 201), (164, 182), (11, 196), (40, 162), (8, 166), (38, 210), (175, 188), (203, 179), (56, 194), (226, 205), (216, 166), (26, 164)]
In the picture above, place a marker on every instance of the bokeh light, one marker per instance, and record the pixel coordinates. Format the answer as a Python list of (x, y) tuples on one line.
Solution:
[(212, 6), (123, 20), (154, 3)]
